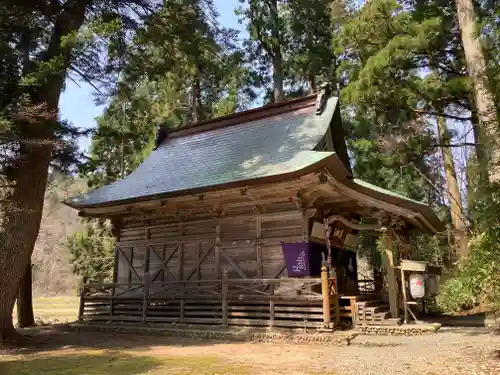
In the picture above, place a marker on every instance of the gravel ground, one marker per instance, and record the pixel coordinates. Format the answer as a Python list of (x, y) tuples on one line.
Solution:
[(448, 352)]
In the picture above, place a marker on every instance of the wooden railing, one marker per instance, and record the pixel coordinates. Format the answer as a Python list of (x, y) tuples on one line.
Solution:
[(247, 302)]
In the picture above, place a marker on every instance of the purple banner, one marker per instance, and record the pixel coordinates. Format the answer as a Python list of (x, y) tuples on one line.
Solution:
[(302, 258)]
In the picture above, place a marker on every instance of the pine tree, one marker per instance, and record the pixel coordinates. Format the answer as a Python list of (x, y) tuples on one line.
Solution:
[(183, 68), (44, 43)]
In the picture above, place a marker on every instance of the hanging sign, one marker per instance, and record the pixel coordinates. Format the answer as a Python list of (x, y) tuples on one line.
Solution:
[(339, 233), (417, 285)]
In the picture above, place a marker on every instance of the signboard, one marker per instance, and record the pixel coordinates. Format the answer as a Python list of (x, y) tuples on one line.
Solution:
[(417, 285), (339, 233)]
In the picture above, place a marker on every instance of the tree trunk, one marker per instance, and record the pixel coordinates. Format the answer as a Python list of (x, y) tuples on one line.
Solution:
[(196, 108), (311, 83), (21, 224), (458, 219), (479, 142), (279, 95), (484, 100), (25, 316), (22, 209)]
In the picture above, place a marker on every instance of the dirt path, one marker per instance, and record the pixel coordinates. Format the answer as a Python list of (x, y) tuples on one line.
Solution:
[(453, 352)]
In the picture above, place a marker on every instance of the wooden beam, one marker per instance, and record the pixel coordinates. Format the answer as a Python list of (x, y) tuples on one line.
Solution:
[(217, 249), (180, 262), (146, 256), (193, 270), (163, 263), (209, 198), (129, 264), (198, 265), (238, 269), (258, 243), (356, 226)]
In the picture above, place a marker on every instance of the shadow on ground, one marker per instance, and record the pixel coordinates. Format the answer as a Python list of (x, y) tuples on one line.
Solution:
[(43, 339), (80, 364), (477, 324)]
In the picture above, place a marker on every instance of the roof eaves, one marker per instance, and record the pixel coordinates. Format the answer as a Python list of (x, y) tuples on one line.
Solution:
[(423, 211), (329, 160)]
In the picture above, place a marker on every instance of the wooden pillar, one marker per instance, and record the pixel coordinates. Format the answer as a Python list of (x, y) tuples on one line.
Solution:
[(198, 265), (180, 263), (305, 225), (271, 305), (145, 300), (325, 292), (334, 297), (225, 287), (258, 243), (217, 247), (388, 259)]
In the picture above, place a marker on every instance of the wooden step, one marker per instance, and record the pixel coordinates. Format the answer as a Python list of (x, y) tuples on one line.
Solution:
[(391, 321), (370, 303)]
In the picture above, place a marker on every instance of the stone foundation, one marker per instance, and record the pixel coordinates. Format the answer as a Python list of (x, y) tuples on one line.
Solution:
[(403, 330), (338, 338)]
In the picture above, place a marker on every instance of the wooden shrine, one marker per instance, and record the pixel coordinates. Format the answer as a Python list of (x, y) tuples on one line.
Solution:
[(201, 224)]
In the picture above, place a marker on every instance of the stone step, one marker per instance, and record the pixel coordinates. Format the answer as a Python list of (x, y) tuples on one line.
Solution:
[(376, 309), (390, 321), (373, 303)]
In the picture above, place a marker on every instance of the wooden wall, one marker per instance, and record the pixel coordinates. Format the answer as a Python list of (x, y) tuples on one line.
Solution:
[(245, 241)]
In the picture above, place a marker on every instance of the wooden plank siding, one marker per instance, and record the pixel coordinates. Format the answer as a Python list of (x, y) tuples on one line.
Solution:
[(243, 241), (239, 302)]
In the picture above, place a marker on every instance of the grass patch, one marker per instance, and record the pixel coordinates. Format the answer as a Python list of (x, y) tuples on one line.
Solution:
[(60, 308), (112, 363)]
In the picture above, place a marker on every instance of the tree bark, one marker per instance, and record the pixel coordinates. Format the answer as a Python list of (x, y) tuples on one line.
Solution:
[(196, 107), (479, 141), (458, 219), (21, 225), (22, 210), (25, 316), (484, 100), (311, 83), (278, 92)]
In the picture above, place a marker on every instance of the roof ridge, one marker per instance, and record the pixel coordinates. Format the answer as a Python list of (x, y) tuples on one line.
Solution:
[(244, 116)]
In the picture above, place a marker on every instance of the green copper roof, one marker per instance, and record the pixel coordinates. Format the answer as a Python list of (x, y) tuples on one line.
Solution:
[(423, 209), (385, 191), (275, 143)]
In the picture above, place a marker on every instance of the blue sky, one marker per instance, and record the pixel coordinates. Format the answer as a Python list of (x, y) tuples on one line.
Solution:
[(77, 102)]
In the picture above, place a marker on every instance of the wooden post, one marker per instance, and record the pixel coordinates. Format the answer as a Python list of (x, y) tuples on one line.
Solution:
[(354, 311), (388, 258), (145, 300), (258, 244), (403, 291), (325, 291), (225, 288), (271, 305), (82, 300), (198, 265), (180, 263), (335, 296), (217, 247), (181, 312)]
